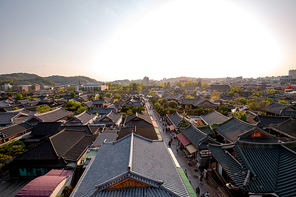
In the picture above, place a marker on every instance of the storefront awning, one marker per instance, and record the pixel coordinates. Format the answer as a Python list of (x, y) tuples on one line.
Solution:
[(191, 148), (183, 139), (172, 127)]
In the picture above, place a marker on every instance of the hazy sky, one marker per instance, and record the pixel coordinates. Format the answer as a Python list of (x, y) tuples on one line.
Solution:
[(129, 39)]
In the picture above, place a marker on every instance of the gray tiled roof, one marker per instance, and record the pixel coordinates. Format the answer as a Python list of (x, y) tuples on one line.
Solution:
[(144, 131), (109, 137), (267, 138), (114, 119), (232, 128), (175, 118), (82, 118), (101, 111), (135, 157), (287, 127), (15, 129), (275, 108), (137, 191), (233, 168), (264, 121), (16, 116), (199, 139), (214, 117), (271, 166), (52, 116), (219, 87), (99, 102), (46, 128), (138, 119)]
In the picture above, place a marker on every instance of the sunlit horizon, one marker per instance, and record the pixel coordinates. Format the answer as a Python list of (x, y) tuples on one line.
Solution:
[(112, 40)]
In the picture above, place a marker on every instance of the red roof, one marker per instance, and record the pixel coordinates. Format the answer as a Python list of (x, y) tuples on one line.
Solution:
[(44, 185), (183, 139)]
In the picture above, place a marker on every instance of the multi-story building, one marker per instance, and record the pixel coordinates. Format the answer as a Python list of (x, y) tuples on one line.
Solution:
[(146, 80)]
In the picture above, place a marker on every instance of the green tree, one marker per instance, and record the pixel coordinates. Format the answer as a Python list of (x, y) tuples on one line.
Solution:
[(108, 94), (282, 101), (72, 94), (179, 84), (57, 96), (116, 96), (173, 104), (73, 106), (140, 109), (129, 112), (204, 85), (43, 108), (82, 109), (18, 96), (151, 93), (71, 88), (270, 91), (15, 108), (241, 115), (215, 95)]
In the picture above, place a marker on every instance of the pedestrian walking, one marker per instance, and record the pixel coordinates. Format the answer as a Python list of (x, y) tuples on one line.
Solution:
[(170, 143), (177, 148), (197, 191), (207, 194), (200, 178), (186, 173)]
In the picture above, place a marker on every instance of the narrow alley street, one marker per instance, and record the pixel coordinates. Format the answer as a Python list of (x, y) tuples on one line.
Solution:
[(193, 174)]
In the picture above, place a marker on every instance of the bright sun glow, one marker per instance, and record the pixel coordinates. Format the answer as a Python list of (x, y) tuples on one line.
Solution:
[(194, 38)]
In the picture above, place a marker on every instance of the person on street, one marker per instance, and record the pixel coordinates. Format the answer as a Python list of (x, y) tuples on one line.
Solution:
[(200, 178), (207, 194), (186, 173), (197, 191)]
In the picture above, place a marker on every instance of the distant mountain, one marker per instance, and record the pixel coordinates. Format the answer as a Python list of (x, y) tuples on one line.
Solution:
[(24, 79), (61, 80)]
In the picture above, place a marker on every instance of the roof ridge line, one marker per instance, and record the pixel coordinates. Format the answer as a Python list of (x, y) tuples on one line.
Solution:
[(130, 162), (246, 161)]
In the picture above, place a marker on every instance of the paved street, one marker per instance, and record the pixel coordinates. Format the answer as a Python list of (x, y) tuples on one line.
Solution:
[(180, 156)]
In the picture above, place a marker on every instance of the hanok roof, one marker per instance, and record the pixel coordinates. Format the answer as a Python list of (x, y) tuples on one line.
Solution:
[(45, 185), (81, 119), (258, 135), (207, 130), (175, 118), (15, 129), (260, 168), (275, 108), (214, 117), (287, 128), (264, 121), (104, 137), (232, 128), (88, 103), (199, 139), (50, 116), (251, 117), (67, 145), (144, 131), (199, 102), (14, 117), (131, 159), (111, 119), (99, 102), (219, 87), (138, 119), (46, 129), (101, 111)]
